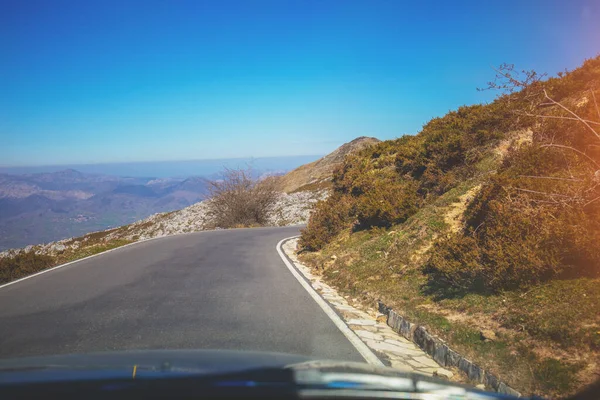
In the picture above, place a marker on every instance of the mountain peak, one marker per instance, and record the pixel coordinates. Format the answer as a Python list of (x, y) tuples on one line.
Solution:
[(319, 173)]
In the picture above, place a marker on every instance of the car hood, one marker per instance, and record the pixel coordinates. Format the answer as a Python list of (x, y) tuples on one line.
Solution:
[(313, 377), (139, 363)]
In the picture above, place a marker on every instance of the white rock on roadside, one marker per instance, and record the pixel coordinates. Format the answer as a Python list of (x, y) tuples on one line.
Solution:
[(444, 373)]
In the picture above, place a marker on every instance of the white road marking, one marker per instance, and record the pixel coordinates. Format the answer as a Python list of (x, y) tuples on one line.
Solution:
[(358, 344), (81, 259), (108, 251)]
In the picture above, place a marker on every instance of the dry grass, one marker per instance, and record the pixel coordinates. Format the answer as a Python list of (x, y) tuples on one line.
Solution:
[(21, 265), (453, 217), (89, 250)]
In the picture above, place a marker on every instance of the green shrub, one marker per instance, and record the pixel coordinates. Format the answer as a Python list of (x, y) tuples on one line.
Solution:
[(327, 220), (538, 218), (556, 375), (507, 258), (519, 231), (516, 244), (386, 204), (386, 183), (518, 234)]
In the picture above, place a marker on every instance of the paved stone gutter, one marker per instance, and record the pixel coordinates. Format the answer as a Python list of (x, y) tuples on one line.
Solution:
[(390, 347)]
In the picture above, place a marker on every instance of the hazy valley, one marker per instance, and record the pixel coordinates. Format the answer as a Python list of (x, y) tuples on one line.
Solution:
[(42, 207)]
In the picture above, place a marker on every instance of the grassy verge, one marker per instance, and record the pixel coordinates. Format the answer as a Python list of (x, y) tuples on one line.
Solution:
[(547, 338), (24, 264), (87, 251)]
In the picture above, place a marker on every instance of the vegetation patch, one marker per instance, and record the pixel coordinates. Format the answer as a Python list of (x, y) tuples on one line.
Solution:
[(21, 265), (27, 263), (87, 251), (239, 200), (488, 219)]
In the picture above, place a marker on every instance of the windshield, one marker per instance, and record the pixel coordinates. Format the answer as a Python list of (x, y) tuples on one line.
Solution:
[(412, 185)]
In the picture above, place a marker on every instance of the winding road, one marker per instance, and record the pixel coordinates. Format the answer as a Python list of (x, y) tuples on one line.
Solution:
[(226, 289)]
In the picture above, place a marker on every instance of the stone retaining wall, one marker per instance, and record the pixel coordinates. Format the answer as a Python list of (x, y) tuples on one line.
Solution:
[(443, 354)]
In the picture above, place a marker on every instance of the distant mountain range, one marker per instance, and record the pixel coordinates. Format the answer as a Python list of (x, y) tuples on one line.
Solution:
[(167, 169), (43, 207)]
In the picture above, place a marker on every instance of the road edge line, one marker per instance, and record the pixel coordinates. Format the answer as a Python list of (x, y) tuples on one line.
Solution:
[(358, 344), (78, 260), (117, 248)]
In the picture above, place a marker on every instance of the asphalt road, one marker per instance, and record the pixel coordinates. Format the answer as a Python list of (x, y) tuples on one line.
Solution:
[(224, 289)]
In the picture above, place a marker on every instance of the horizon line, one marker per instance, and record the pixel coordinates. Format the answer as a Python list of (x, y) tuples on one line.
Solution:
[(153, 161)]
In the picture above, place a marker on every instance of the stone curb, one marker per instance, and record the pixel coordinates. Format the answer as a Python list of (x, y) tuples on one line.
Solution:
[(368, 325), (443, 354)]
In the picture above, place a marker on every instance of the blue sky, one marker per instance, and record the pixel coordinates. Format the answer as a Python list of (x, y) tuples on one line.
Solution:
[(122, 81)]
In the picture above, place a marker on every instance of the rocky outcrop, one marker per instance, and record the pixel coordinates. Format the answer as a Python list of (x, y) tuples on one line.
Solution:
[(290, 209)]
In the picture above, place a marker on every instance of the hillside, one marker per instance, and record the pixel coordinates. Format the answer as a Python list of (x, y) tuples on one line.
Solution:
[(290, 209), (39, 189), (317, 174), (484, 227)]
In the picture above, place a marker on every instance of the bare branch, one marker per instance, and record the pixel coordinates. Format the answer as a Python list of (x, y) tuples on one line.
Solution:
[(508, 80), (567, 164), (556, 117), (545, 193), (239, 199), (553, 201), (508, 76), (551, 177), (591, 201), (560, 146), (595, 103), (573, 114)]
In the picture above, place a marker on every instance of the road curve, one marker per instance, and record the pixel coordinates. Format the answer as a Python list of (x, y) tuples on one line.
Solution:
[(226, 289)]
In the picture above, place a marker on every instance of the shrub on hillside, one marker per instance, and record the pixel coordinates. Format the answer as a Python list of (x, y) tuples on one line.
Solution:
[(574, 81), (385, 183), (356, 175), (505, 255), (238, 199), (443, 153), (23, 264), (538, 219), (328, 219), (516, 245), (385, 204)]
